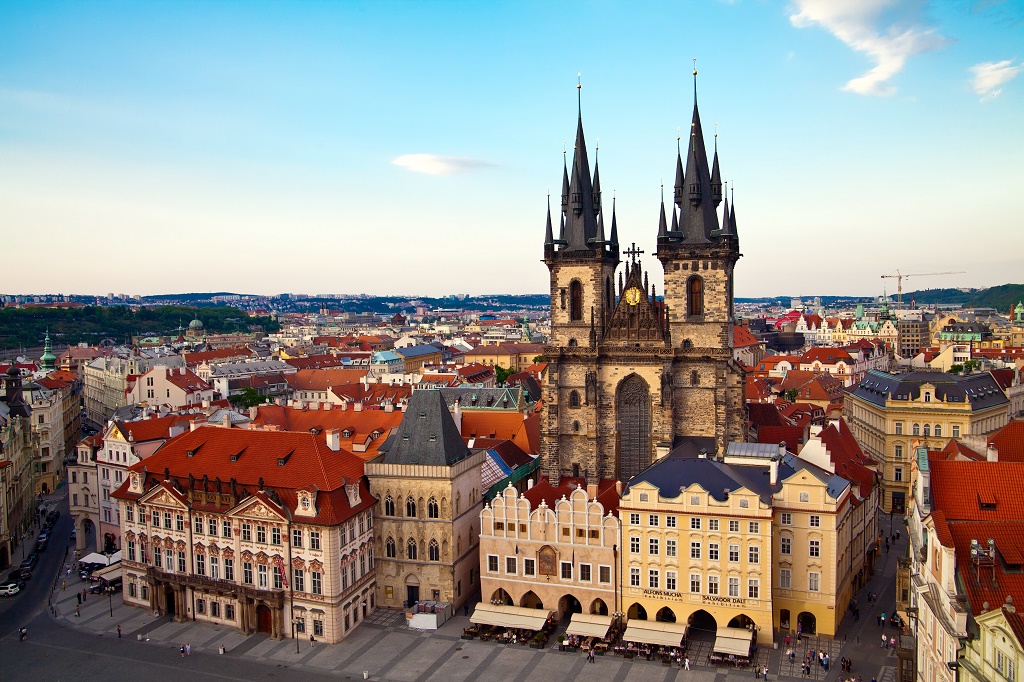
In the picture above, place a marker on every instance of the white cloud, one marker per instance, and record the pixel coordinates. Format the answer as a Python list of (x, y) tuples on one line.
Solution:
[(860, 24), (432, 164), (989, 76)]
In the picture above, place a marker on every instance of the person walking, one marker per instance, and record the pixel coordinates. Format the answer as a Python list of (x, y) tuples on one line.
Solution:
[(885, 642), (85, 594), (686, 663), (63, 585), (892, 642), (188, 648), (181, 650), (78, 612), (590, 655), (119, 632), (79, 597)]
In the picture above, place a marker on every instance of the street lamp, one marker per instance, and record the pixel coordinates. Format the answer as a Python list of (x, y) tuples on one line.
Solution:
[(295, 630)]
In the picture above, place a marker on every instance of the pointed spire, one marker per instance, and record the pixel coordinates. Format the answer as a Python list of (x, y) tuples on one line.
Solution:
[(614, 239), (716, 175), (549, 238), (675, 221), (679, 173), (732, 217), (581, 224), (697, 218), (662, 224), (599, 240), (597, 180), (725, 216), (561, 231), (565, 182)]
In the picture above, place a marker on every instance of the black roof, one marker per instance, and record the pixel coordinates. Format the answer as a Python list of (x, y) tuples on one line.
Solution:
[(427, 434), (980, 389)]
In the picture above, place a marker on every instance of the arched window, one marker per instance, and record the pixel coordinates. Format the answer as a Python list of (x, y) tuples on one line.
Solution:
[(432, 509), (410, 549), (938, 430), (695, 296), (695, 378), (434, 552), (389, 548), (575, 301), (389, 506), (608, 305), (576, 426), (574, 399), (410, 507), (927, 429), (917, 429)]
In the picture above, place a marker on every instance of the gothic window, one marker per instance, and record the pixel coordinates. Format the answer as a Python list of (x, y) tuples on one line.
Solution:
[(389, 506), (695, 296), (389, 548), (410, 549), (695, 378), (576, 426), (607, 294), (574, 399), (573, 343), (575, 301), (434, 551), (563, 298), (432, 510), (410, 508), (634, 426)]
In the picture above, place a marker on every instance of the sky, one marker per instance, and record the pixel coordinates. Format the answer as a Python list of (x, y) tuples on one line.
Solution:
[(408, 147)]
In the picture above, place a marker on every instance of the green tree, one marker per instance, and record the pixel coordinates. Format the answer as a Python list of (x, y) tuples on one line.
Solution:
[(956, 369), (503, 373), (790, 394), (248, 397), (540, 358)]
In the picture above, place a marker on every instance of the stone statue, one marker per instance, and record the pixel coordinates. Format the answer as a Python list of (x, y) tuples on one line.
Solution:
[(591, 387), (666, 387)]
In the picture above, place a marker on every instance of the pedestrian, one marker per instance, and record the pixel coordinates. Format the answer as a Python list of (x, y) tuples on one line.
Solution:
[(188, 648), (885, 642), (883, 618), (85, 594), (465, 609), (78, 612), (311, 640), (766, 674), (590, 654), (64, 586), (897, 535), (119, 632), (79, 597), (787, 640), (892, 642), (182, 650), (686, 663), (825, 662), (757, 672)]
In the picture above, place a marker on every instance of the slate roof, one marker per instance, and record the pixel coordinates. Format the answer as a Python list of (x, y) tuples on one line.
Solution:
[(980, 389), (427, 434), (416, 351)]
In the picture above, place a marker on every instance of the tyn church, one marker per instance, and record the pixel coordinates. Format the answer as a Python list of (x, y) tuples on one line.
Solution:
[(632, 376)]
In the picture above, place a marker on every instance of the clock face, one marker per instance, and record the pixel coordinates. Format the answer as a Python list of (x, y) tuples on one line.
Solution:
[(632, 295)]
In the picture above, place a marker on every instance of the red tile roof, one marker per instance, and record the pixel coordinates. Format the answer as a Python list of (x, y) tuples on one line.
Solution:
[(323, 379), (1009, 441), (743, 338), (188, 382), (155, 428), (607, 494), (523, 430), (360, 425)]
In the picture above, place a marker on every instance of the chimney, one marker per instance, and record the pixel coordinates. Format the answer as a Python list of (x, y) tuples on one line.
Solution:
[(782, 449), (529, 483), (458, 415), (206, 404), (618, 488), (389, 406), (182, 370), (327, 406), (334, 439), (357, 407), (991, 454), (253, 412), (773, 472), (193, 425), (226, 421), (592, 491)]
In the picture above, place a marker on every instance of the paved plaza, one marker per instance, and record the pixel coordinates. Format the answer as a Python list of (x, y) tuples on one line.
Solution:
[(386, 649)]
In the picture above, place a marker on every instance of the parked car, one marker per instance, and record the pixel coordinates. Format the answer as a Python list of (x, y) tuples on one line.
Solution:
[(42, 543), (9, 588), (53, 516), (20, 574), (30, 561)]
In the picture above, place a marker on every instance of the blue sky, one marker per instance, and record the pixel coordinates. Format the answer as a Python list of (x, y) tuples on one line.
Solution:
[(408, 147)]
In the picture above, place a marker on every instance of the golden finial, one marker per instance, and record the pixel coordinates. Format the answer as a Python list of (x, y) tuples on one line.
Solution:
[(716, 130), (579, 80), (694, 66), (597, 143)]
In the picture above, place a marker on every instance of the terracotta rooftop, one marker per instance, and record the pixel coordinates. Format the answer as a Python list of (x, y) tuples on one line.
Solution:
[(607, 494)]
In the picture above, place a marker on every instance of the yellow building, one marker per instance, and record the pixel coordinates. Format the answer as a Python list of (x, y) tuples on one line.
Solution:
[(891, 415), (514, 356), (755, 541), (997, 653)]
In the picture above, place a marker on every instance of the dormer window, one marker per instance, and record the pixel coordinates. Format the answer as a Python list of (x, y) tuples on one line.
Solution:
[(927, 397)]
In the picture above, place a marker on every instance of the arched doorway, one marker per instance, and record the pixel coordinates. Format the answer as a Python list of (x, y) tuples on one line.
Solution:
[(569, 605), (702, 625), (412, 590), (636, 612), (500, 596), (87, 535), (665, 615), (530, 600), (598, 607), (633, 399), (806, 623), (784, 619), (264, 619), (169, 601), (741, 621)]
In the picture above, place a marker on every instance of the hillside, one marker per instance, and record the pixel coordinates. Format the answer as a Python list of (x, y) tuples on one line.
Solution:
[(1002, 297)]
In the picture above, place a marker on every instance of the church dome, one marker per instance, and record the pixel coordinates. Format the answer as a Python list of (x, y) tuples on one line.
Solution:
[(195, 324)]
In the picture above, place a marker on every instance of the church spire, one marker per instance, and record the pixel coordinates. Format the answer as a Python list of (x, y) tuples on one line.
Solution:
[(581, 223), (614, 240), (732, 216), (662, 224), (565, 183), (597, 178), (716, 175), (725, 232), (679, 174), (697, 216), (549, 237)]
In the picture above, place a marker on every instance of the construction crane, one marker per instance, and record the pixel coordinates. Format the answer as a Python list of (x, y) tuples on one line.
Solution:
[(899, 282)]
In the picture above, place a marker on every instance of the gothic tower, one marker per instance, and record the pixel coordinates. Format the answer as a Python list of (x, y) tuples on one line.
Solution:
[(632, 376)]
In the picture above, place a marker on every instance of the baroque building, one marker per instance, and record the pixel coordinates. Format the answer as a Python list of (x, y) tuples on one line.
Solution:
[(633, 374)]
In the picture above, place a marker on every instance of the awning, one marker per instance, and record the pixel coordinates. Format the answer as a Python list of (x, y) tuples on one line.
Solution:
[(97, 558), (735, 641), (655, 632), (509, 616), (589, 625), (108, 573)]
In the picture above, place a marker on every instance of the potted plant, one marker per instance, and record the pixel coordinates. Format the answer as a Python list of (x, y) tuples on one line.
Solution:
[(561, 642)]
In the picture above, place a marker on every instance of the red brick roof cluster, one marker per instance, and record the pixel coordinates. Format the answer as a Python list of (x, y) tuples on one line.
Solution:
[(1009, 441), (543, 491), (323, 379), (285, 461), (359, 426)]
